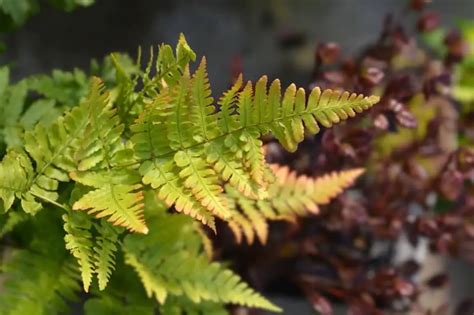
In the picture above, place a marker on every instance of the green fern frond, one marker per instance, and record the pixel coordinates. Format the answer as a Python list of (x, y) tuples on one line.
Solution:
[(104, 256), (101, 145), (118, 193), (37, 284), (121, 204), (154, 286), (169, 66), (9, 221), (173, 243), (12, 103), (289, 196), (16, 174), (67, 88), (52, 150), (227, 134), (79, 242), (163, 174), (95, 254)]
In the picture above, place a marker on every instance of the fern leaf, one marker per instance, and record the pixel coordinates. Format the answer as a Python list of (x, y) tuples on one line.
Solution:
[(118, 195), (202, 180), (292, 114), (101, 141), (104, 253), (154, 286), (10, 221), (12, 103), (301, 192), (254, 156), (228, 134), (16, 173), (225, 164), (170, 66), (163, 175), (52, 150), (79, 242), (179, 126), (37, 284), (227, 121), (178, 244), (68, 88), (290, 195), (119, 203), (202, 106)]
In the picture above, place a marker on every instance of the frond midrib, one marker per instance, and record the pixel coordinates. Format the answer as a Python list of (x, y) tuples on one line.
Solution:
[(221, 136)]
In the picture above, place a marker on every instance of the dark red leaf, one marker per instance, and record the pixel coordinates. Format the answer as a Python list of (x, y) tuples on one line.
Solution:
[(328, 53), (418, 4), (428, 22)]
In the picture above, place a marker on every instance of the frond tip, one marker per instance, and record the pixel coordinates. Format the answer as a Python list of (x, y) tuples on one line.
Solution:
[(289, 196), (121, 204), (287, 116)]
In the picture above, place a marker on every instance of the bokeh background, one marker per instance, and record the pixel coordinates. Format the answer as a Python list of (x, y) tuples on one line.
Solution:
[(218, 29)]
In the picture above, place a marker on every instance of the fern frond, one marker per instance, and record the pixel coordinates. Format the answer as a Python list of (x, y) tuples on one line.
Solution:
[(79, 242), (302, 192), (101, 141), (169, 66), (289, 196), (95, 255), (52, 150), (290, 115), (121, 204), (118, 193), (228, 134), (163, 174), (16, 173), (154, 286), (12, 103), (202, 181), (37, 284), (202, 106), (9, 221), (204, 281), (68, 88), (104, 253), (173, 243)]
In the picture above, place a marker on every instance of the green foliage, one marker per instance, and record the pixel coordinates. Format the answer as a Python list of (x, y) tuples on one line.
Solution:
[(109, 160), (41, 278), (464, 79), (289, 196), (170, 260), (14, 13), (204, 147), (37, 284)]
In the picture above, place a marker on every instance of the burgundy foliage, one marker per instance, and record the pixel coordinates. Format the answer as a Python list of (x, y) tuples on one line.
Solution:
[(419, 189)]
